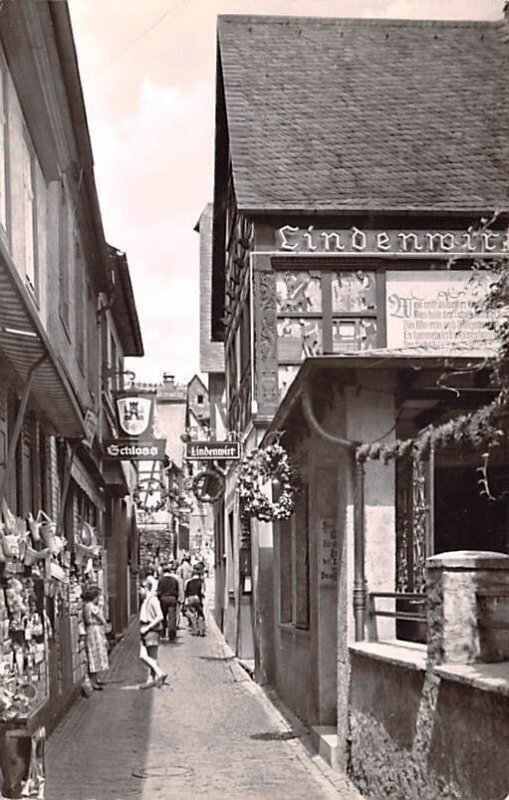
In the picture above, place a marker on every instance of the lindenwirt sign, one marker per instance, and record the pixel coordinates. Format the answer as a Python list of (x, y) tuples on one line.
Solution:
[(292, 239), (212, 451)]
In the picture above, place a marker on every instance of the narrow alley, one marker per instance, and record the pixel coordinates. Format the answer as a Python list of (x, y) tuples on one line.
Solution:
[(211, 733)]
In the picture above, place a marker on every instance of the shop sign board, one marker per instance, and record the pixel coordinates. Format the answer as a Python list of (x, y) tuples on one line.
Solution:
[(354, 240), (135, 411), (212, 451), (134, 449), (437, 309)]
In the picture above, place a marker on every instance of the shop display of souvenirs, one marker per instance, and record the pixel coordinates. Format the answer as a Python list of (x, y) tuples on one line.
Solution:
[(23, 647), (31, 552), (40, 579)]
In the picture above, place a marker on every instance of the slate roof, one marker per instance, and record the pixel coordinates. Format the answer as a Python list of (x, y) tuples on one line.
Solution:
[(350, 114)]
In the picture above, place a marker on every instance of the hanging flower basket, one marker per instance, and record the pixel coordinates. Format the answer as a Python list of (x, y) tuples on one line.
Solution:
[(150, 495), (258, 468)]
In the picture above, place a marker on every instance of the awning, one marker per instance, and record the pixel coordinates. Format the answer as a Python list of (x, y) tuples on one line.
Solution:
[(80, 475), (415, 359), (115, 479), (23, 340)]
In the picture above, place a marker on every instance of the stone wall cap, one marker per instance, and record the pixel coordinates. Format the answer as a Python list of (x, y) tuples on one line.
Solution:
[(469, 560)]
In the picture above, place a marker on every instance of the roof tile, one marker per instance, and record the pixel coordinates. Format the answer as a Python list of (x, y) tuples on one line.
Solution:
[(339, 114)]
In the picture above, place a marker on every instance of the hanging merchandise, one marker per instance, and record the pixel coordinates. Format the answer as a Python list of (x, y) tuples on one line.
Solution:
[(53, 541), (33, 786), (34, 566), (86, 546)]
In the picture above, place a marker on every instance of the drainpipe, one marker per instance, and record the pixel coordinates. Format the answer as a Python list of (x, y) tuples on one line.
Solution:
[(359, 583), (359, 587), (13, 442)]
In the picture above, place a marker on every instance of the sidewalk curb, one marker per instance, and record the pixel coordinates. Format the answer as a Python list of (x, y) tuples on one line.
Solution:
[(286, 722)]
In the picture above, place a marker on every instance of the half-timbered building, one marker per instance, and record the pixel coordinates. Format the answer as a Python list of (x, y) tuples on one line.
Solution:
[(360, 172)]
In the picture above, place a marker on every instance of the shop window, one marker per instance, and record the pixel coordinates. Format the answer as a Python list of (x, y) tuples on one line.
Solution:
[(29, 213)]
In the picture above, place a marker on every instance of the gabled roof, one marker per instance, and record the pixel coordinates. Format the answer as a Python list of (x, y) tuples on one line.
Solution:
[(196, 379), (351, 114)]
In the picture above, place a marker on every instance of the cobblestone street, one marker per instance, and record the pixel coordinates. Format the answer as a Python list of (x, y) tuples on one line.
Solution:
[(212, 733)]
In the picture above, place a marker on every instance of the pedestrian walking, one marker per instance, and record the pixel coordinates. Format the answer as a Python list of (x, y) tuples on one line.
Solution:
[(185, 571), (168, 591), (181, 598), (151, 618), (96, 644), (194, 593)]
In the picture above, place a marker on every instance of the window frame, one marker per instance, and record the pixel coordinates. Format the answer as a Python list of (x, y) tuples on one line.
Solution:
[(64, 259), (30, 222), (294, 567), (326, 316)]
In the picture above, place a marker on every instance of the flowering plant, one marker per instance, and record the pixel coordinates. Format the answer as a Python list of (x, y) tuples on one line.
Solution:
[(258, 467)]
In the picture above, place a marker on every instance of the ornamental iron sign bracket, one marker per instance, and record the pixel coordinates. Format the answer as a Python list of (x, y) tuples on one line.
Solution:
[(208, 486)]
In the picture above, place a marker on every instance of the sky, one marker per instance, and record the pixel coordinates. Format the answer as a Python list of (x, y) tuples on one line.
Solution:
[(148, 73)]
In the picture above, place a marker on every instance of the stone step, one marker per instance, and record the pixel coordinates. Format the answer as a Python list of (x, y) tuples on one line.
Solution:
[(325, 741)]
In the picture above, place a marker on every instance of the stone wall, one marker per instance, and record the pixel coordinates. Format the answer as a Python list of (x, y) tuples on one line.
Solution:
[(432, 722), (418, 736)]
